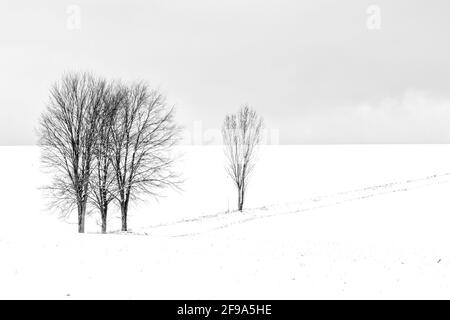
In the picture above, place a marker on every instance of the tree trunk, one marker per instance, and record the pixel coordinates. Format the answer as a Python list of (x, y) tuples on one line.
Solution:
[(124, 209), (104, 213), (242, 199), (239, 199), (81, 217)]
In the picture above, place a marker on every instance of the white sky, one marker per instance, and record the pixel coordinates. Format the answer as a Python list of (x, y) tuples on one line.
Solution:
[(312, 68)]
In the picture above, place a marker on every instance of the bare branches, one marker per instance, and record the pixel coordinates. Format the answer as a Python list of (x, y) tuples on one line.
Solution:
[(103, 183), (105, 142), (241, 135), (68, 131), (143, 136)]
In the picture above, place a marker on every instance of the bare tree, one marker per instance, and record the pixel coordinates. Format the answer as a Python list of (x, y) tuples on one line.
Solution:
[(104, 186), (241, 135), (143, 136), (68, 132)]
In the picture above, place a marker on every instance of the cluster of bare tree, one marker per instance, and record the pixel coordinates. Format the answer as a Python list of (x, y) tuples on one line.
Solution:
[(106, 142)]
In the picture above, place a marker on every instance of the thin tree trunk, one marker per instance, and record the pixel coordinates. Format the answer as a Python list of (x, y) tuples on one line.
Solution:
[(81, 217), (242, 198), (104, 213), (82, 211), (239, 199), (124, 209)]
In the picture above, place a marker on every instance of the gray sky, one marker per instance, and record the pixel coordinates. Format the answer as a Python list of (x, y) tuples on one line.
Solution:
[(313, 69)]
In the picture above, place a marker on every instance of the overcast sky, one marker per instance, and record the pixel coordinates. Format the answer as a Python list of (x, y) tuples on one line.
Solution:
[(319, 71)]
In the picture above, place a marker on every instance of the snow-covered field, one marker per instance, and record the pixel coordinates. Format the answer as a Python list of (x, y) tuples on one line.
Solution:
[(322, 222)]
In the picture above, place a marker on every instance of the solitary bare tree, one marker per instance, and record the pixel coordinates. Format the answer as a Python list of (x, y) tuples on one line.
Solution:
[(104, 186), (241, 135), (68, 133), (143, 136)]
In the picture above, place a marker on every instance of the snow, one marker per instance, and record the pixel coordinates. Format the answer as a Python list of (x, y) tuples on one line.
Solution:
[(321, 222)]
